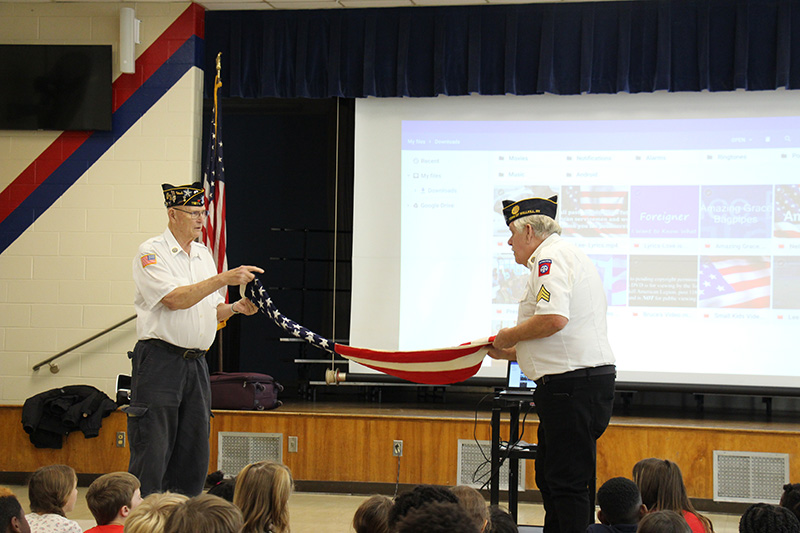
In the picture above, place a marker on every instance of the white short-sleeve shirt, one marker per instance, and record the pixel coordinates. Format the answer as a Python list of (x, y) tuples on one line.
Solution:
[(160, 267), (564, 281)]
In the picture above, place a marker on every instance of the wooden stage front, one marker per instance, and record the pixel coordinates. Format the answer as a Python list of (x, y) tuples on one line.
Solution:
[(349, 445)]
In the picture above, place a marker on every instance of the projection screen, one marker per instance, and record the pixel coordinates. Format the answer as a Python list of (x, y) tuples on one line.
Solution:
[(687, 203)]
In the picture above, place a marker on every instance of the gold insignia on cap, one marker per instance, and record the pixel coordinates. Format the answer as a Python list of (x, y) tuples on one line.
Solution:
[(530, 206), (185, 195)]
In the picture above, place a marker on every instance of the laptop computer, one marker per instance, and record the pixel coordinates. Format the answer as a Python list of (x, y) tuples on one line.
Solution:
[(517, 383)]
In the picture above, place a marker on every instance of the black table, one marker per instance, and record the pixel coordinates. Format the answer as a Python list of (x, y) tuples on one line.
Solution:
[(509, 452)]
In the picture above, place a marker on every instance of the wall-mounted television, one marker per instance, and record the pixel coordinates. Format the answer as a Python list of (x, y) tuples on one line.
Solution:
[(55, 87)]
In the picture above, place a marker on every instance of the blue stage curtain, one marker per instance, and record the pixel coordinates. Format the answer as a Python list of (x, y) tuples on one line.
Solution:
[(568, 48)]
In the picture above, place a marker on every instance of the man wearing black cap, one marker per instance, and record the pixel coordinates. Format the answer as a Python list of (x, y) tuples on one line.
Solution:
[(178, 306), (561, 342)]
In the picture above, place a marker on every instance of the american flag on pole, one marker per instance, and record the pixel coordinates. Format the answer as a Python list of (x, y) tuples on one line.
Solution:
[(430, 367), (214, 233), (736, 282)]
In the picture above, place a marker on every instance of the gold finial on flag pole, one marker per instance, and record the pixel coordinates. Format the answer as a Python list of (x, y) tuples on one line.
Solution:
[(217, 85)]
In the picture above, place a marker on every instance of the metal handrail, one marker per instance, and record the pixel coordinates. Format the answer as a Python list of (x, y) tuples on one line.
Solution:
[(54, 367)]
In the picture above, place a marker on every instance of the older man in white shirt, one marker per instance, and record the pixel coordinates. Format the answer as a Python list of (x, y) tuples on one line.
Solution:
[(561, 342), (178, 306)]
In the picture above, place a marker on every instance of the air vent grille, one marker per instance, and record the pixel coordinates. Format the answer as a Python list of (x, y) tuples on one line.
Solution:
[(238, 449), (749, 477)]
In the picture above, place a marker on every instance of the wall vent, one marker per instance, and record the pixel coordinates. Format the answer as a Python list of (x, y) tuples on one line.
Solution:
[(474, 465), (750, 477), (239, 449)]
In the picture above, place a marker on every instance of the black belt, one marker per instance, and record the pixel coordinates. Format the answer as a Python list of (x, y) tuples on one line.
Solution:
[(579, 373), (183, 352)]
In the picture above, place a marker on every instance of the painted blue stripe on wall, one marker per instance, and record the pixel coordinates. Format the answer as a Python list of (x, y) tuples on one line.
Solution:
[(189, 55)]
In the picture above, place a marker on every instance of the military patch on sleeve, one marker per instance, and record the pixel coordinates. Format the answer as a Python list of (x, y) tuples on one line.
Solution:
[(148, 259), (544, 294), (544, 267)]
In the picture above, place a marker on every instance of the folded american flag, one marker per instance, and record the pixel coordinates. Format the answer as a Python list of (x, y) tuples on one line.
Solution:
[(256, 293), (440, 366)]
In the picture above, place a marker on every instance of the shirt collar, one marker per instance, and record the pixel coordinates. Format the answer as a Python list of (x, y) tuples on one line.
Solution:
[(548, 241), (175, 247)]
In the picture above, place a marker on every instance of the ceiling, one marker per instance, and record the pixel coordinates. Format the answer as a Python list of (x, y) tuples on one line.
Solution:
[(338, 4), (245, 5)]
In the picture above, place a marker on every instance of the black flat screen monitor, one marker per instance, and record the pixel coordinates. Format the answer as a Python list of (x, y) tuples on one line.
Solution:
[(55, 87)]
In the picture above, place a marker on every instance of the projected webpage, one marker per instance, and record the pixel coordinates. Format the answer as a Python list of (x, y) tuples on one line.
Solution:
[(693, 224)]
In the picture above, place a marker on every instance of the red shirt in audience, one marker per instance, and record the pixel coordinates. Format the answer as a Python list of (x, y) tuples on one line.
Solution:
[(691, 519), (110, 528)]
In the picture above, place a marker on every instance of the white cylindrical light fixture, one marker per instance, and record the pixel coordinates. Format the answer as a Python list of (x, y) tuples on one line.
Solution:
[(128, 37)]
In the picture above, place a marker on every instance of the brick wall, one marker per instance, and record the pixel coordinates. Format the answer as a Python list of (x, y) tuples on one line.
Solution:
[(68, 275)]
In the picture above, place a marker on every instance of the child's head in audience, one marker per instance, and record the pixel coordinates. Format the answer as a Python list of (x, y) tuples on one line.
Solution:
[(205, 514), (620, 502), (765, 518), (661, 485), (436, 517), (112, 497), (151, 515), (372, 516), (417, 497), (663, 522), (473, 503), (12, 517), (262, 493), (501, 521), (790, 498), (221, 486), (53, 489)]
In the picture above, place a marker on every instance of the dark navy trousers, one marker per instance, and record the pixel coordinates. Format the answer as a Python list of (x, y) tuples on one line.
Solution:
[(168, 420), (573, 413)]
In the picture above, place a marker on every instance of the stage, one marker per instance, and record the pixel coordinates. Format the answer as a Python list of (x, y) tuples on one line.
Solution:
[(347, 447)]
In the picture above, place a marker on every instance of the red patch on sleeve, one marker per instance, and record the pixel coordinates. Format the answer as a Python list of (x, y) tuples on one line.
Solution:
[(544, 267)]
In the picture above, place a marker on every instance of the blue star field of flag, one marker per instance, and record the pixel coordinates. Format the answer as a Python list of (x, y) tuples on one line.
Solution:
[(215, 169), (256, 293)]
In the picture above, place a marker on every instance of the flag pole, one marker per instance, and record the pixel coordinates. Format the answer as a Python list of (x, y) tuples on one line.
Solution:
[(217, 85), (214, 229)]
